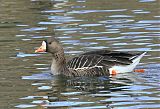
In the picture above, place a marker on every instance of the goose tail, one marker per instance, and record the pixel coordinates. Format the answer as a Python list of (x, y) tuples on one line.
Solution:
[(129, 68), (136, 61), (138, 58)]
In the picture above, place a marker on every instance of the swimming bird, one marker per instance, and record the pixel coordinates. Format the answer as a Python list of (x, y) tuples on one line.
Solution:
[(92, 63)]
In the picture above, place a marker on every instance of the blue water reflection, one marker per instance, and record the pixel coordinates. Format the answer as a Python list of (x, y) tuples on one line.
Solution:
[(80, 25)]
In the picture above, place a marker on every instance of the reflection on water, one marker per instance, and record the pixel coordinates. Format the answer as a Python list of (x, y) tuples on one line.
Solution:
[(123, 91), (80, 25)]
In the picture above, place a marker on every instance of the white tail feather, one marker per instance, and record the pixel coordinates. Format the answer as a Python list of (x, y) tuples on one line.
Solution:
[(138, 58), (127, 68)]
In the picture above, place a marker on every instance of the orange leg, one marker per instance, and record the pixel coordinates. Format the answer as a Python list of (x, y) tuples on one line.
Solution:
[(139, 70), (114, 72)]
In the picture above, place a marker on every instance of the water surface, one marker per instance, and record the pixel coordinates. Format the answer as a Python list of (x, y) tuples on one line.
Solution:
[(80, 25)]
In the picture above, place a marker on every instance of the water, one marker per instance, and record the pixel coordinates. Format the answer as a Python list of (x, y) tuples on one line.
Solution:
[(80, 25)]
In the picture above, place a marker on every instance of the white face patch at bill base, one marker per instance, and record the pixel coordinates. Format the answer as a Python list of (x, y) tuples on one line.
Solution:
[(44, 45)]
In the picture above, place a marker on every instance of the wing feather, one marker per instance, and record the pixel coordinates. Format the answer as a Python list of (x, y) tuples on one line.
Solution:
[(98, 62), (114, 54)]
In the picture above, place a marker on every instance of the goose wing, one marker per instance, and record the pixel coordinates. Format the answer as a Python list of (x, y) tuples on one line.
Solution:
[(94, 65), (87, 65), (124, 56)]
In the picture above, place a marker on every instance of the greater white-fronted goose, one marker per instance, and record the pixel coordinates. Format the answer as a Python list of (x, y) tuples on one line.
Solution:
[(93, 63)]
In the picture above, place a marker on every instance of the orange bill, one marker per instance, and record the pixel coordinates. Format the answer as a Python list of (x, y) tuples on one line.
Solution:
[(42, 48)]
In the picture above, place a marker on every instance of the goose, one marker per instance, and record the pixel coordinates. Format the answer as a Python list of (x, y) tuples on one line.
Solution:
[(92, 63)]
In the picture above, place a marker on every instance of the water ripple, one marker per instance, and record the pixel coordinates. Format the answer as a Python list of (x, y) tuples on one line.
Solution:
[(149, 21), (147, 0), (35, 29), (94, 11), (117, 21), (25, 106), (65, 103), (80, 25), (53, 11), (120, 16), (89, 25), (22, 55)]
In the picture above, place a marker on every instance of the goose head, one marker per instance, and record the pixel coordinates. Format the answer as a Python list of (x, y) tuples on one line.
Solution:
[(51, 45)]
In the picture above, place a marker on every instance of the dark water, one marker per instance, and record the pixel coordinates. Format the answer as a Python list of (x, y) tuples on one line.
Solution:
[(80, 25)]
